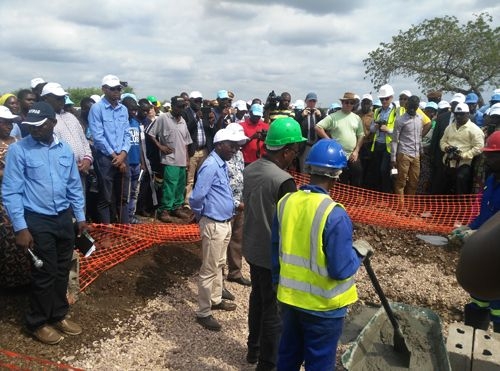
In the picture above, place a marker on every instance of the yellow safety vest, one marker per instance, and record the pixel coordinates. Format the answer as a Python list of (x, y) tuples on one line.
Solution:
[(390, 125), (304, 281)]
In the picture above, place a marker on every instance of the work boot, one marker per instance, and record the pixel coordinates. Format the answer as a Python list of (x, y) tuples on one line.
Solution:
[(224, 305), (164, 216), (210, 323), (47, 335), (68, 327), (476, 317), (179, 213)]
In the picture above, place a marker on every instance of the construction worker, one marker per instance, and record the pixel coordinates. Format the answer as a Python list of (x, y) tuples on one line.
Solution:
[(479, 312), (313, 264)]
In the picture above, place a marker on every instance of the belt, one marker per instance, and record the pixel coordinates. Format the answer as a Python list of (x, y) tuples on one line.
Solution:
[(218, 221)]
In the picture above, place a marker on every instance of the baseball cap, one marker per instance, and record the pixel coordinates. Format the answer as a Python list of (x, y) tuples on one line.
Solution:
[(222, 94), (68, 101), (6, 114), (311, 96), (443, 104), (53, 88), (461, 107), (231, 135), (195, 94), (257, 110), (96, 98), (111, 81), (39, 113), (406, 93), (36, 81), (458, 97), (241, 105), (367, 96), (494, 110), (432, 105)]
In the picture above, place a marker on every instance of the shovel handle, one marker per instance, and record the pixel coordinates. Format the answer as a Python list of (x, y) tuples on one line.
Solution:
[(380, 293)]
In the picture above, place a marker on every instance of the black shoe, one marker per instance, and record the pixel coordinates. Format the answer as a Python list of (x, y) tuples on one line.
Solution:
[(252, 356), (224, 305), (209, 323), (227, 295), (240, 280)]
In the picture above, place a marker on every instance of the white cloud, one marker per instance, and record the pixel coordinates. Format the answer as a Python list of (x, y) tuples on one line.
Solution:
[(250, 47)]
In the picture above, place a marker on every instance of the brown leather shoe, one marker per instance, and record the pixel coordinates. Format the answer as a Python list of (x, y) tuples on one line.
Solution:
[(224, 305), (179, 213), (68, 327), (47, 335), (164, 216)]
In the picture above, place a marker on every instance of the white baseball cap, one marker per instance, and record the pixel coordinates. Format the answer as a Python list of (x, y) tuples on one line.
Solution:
[(461, 107), (53, 88), (36, 81), (111, 81), (6, 114), (231, 135)]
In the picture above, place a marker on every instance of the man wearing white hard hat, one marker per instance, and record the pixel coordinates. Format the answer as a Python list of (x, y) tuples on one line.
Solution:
[(443, 120), (461, 142), (109, 125), (382, 126), (213, 206)]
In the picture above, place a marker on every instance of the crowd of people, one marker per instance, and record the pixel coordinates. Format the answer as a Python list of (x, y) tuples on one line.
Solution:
[(223, 163)]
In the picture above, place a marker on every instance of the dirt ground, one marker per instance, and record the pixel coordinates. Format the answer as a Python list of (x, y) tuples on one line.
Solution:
[(409, 270)]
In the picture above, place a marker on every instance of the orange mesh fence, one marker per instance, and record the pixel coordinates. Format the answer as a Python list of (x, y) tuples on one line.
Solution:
[(13, 361), (432, 214)]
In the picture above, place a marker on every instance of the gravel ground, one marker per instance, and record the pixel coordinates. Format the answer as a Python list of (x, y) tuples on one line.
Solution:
[(140, 315)]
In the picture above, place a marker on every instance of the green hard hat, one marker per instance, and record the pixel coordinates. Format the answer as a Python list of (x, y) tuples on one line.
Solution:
[(284, 130)]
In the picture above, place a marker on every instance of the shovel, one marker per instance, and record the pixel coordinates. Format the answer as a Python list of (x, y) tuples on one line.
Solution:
[(399, 340)]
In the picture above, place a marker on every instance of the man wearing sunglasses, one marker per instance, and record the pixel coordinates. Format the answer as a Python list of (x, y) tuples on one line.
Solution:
[(346, 127), (382, 126), (108, 122)]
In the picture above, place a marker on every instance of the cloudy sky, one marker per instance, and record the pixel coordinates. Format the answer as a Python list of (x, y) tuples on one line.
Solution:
[(250, 47)]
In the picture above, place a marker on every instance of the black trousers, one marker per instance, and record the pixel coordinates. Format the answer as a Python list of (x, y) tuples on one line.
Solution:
[(264, 322), (54, 240)]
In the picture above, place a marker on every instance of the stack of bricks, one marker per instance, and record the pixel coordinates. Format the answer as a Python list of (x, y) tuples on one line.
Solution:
[(472, 350)]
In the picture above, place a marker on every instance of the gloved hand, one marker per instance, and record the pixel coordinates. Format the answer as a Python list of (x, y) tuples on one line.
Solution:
[(363, 247), (459, 230), (467, 233), (460, 234)]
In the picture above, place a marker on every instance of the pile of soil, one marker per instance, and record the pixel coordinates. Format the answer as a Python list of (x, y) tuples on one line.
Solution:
[(409, 270)]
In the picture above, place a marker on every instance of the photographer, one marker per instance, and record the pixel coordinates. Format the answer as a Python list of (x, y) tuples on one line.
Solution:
[(277, 106), (256, 130), (461, 142), (308, 118)]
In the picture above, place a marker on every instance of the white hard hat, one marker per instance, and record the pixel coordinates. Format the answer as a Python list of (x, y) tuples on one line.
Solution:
[(385, 91)]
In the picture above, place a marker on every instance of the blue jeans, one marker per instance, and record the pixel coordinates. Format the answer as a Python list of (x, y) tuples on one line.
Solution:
[(308, 338), (135, 170)]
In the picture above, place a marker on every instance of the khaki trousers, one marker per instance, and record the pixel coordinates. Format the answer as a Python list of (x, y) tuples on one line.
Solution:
[(408, 173), (215, 237), (195, 162)]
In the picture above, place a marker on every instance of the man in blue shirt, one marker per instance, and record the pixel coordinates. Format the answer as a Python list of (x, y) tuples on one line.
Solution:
[(313, 265), (212, 204), (108, 122), (42, 192)]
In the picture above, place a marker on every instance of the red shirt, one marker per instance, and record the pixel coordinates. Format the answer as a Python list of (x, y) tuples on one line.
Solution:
[(255, 145)]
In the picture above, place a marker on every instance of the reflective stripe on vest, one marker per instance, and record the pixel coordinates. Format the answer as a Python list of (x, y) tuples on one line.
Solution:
[(390, 125), (304, 280)]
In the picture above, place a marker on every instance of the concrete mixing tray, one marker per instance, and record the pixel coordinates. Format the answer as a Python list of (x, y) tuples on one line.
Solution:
[(373, 349)]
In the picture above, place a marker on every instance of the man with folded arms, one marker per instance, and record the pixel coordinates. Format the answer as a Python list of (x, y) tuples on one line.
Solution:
[(42, 192)]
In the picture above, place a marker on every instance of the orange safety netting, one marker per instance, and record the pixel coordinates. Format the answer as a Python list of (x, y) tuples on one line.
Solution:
[(433, 214), (13, 361)]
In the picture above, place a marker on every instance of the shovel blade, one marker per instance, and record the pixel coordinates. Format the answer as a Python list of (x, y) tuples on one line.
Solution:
[(401, 347)]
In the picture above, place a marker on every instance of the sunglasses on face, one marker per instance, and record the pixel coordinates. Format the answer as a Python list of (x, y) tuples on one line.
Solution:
[(351, 102), (115, 88)]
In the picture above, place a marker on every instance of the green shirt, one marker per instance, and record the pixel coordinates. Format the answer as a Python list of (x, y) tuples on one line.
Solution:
[(345, 128)]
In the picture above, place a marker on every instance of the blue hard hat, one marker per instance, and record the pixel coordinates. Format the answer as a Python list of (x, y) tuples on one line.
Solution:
[(495, 98), (471, 98), (327, 153)]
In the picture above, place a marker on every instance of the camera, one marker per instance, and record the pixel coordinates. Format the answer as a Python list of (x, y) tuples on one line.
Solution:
[(273, 99), (263, 134), (453, 153), (381, 122)]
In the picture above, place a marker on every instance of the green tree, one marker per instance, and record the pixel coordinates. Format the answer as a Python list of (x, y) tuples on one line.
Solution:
[(441, 54), (77, 94)]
